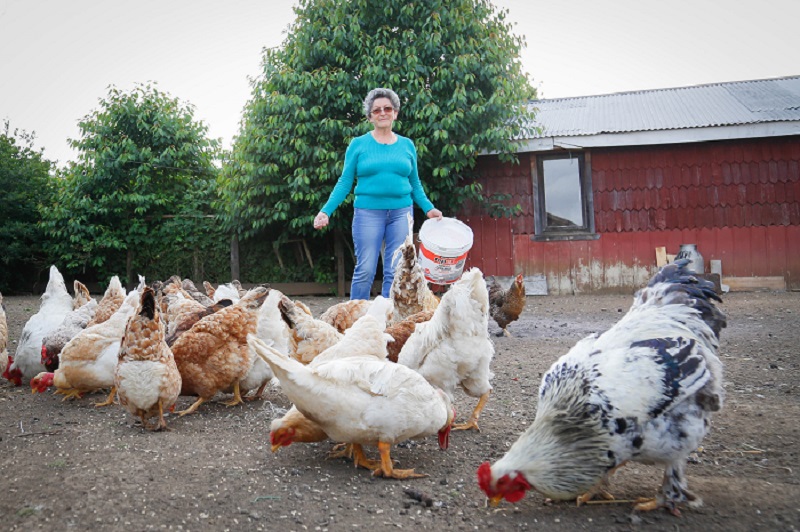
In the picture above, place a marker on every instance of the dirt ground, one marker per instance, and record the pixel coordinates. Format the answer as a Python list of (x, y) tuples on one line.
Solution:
[(69, 465)]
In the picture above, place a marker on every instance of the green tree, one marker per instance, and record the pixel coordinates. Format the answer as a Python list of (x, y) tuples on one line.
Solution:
[(455, 65), (139, 196), (25, 183)]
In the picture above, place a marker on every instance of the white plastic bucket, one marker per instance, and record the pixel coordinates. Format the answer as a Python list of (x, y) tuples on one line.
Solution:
[(444, 246)]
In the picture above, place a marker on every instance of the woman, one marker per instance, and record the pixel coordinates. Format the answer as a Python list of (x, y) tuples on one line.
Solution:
[(385, 167)]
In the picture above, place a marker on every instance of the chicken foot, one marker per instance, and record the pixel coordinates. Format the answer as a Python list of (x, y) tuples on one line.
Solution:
[(387, 470), (70, 393), (673, 492), (109, 400), (600, 488), (237, 396), (355, 452), (192, 408), (472, 422)]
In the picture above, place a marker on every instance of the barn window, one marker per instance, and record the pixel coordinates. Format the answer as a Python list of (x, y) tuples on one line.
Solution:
[(563, 197)]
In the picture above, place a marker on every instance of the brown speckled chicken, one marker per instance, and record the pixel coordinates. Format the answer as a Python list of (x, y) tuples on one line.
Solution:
[(112, 300), (409, 291), (343, 315), (308, 336), (183, 312), (505, 305), (294, 427), (402, 330), (196, 294), (213, 355), (146, 377), (82, 295)]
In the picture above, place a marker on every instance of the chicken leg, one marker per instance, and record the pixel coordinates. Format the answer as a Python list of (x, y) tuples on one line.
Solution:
[(472, 422), (387, 470), (237, 396), (192, 408), (600, 488), (70, 393), (109, 400)]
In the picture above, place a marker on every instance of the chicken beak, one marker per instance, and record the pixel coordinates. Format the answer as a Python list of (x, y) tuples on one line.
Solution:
[(444, 438), (275, 447), (495, 501)]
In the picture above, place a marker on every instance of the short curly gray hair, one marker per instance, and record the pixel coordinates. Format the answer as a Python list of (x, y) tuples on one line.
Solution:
[(380, 92)]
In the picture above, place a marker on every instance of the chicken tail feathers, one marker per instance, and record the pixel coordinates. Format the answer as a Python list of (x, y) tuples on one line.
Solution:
[(148, 303), (697, 293)]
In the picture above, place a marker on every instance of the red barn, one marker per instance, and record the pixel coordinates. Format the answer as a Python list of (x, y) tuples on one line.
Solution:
[(609, 179)]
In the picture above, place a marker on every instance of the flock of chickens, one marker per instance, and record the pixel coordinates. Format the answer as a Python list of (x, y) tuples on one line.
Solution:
[(376, 373)]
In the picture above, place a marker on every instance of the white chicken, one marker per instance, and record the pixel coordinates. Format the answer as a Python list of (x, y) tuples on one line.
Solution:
[(453, 348), (56, 304), (74, 322), (274, 331), (88, 361), (356, 396), (644, 391), (146, 377)]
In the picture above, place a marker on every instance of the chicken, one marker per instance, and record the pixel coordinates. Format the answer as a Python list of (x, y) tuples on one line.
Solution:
[(644, 391), (293, 427), (356, 396), (56, 304), (210, 290), (3, 337), (184, 311), (402, 331), (87, 362), (226, 291), (453, 348), (409, 290), (213, 355), (309, 337), (82, 295), (343, 315), (73, 323), (146, 377), (112, 300), (271, 328), (505, 305), (196, 294)]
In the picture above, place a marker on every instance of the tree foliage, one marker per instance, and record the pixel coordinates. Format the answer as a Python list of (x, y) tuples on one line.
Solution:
[(454, 64), (25, 183), (142, 187)]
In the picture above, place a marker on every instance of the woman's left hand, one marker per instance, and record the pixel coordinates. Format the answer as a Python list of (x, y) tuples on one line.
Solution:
[(434, 213)]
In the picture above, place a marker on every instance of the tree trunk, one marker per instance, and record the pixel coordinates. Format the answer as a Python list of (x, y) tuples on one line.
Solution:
[(235, 257)]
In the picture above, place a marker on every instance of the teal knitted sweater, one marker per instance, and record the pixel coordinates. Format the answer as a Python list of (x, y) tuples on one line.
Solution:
[(385, 174)]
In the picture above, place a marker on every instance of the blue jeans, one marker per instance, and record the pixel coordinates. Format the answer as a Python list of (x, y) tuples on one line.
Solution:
[(371, 229)]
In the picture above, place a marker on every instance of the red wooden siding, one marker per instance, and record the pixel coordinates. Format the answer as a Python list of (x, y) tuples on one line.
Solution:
[(738, 201)]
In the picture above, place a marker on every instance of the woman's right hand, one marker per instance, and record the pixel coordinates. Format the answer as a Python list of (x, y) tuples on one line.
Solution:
[(321, 220)]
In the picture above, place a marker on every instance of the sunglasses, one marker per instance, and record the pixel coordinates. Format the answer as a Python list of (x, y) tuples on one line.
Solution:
[(378, 110)]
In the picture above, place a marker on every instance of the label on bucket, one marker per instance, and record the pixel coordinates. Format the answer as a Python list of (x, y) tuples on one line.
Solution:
[(439, 269)]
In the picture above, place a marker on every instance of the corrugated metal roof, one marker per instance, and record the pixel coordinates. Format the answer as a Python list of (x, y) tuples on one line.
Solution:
[(718, 104)]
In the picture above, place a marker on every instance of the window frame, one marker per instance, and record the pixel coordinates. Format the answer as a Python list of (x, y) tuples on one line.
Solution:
[(541, 231)]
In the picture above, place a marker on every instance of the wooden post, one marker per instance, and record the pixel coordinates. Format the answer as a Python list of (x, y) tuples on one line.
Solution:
[(339, 252), (235, 256), (197, 274)]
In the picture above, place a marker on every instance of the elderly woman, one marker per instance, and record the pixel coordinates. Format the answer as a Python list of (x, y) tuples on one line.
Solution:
[(384, 166)]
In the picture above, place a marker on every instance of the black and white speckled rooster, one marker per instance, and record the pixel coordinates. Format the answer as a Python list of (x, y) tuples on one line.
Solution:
[(644, 391)]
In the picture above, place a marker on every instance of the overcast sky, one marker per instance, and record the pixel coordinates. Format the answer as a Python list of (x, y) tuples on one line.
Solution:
[(58, 57)]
